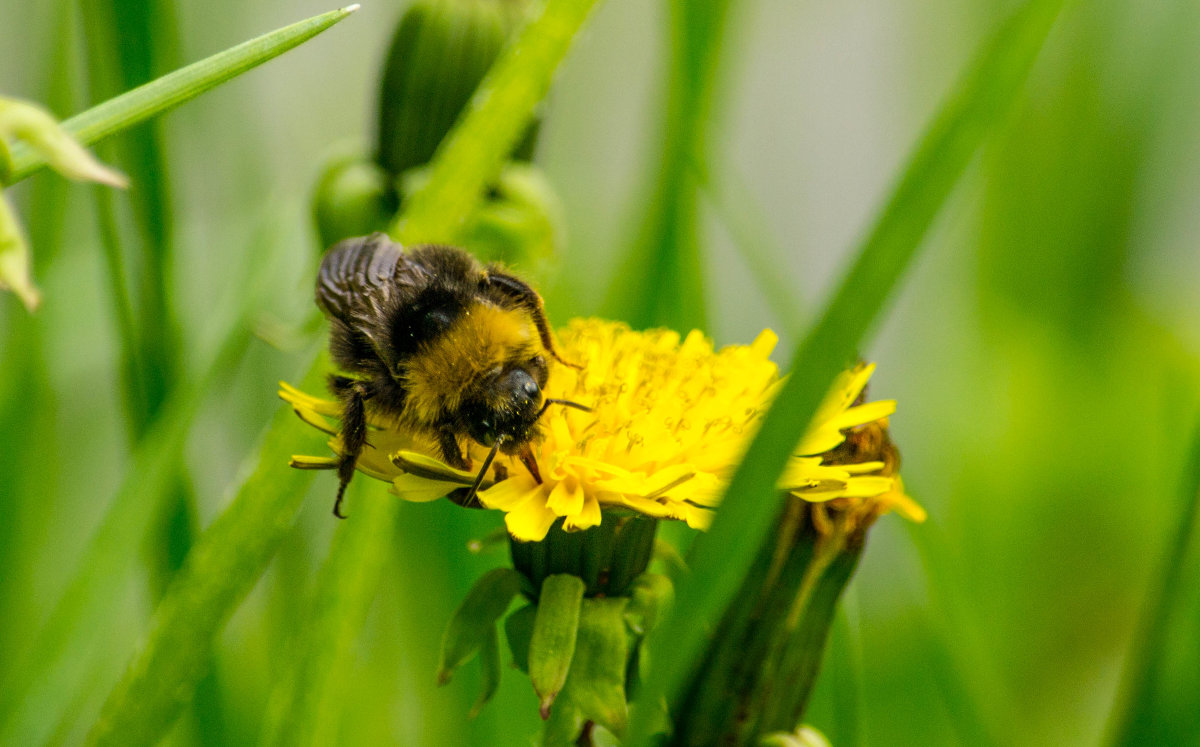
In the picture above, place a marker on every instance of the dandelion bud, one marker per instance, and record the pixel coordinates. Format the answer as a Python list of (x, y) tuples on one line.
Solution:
[(439, 53), (354, 197)]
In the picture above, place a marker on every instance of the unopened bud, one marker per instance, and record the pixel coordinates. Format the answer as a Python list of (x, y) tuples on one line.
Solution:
[(354, 197), (440, 52)]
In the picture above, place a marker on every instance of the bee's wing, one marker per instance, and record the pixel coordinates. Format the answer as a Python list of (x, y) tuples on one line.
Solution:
[(359, 275)]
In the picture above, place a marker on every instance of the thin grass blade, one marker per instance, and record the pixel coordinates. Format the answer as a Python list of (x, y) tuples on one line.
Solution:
[(1139, 717), (720, 557), (663, 272), (175, 88), (346, 585)]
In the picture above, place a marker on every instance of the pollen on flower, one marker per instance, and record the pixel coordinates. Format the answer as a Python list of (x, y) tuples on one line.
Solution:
[(670, 419)]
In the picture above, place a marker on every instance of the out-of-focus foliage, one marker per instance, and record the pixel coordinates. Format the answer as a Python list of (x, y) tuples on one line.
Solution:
[(1044, 351)]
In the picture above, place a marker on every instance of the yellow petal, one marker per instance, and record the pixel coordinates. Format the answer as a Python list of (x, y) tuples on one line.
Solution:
[(530, 521), (313, 462), (588, 516), (419, 490), (508, 494), (566, 499)]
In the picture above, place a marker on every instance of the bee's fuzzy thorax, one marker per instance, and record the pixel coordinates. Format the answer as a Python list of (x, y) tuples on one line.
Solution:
[(485, 337)]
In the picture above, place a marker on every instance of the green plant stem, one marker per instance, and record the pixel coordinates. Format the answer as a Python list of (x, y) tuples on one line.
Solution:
[(175, 88), (663, 273), (746, 225), (472, 154), (131, 371), (974, 109)]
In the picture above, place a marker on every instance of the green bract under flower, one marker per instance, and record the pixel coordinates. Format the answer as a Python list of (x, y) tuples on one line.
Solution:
[(671, 418)]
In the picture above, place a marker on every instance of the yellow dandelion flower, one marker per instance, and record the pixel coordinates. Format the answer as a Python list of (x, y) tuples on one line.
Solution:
[(671, 418)]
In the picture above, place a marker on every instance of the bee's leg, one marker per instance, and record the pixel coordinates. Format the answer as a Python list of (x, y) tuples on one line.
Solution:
[(353, 394), (526, 297), (450, 451)]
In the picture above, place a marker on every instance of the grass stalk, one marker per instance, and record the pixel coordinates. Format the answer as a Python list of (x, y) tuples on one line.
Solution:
[(1135, 717)]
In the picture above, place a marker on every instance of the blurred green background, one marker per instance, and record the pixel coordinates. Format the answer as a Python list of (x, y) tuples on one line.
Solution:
[(1044, 350)]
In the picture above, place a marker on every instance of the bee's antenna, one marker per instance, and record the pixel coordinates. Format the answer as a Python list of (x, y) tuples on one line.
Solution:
[(487, 463), (564, 402)]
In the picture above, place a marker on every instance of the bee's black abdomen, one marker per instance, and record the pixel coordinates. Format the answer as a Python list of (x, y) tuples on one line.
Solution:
[(353, 269)]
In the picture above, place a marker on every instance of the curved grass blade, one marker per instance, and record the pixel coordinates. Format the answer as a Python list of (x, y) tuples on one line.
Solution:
[(175, 88), (346, 585), (720, 557), (1139, 719), (231, 554), (746, 225)]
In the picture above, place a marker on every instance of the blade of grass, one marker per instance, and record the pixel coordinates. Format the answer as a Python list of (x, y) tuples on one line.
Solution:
[(122, 42), (132, 372), (346, 585), (957, 656), (38, 684), (663, 275), (746, 225), (230, 556), (720, 558), (175, 88), (1138, 707)]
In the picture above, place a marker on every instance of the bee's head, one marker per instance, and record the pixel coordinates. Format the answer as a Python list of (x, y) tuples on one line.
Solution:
[(506, 407)]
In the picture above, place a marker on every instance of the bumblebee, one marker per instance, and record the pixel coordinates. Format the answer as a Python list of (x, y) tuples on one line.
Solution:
[(438, 343)]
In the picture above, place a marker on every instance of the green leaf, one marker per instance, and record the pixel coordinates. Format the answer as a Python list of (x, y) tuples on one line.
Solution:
[(595, 689), (518, 629), (721, 557), (489, 659), (663, 277), (15, 272), (650, 597), (476, 618), (553, 642), (310, 700), (175, 88), (746, 224), (225, 562)]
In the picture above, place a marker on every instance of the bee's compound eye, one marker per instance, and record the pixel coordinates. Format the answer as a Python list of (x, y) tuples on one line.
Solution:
[(522, 389)]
